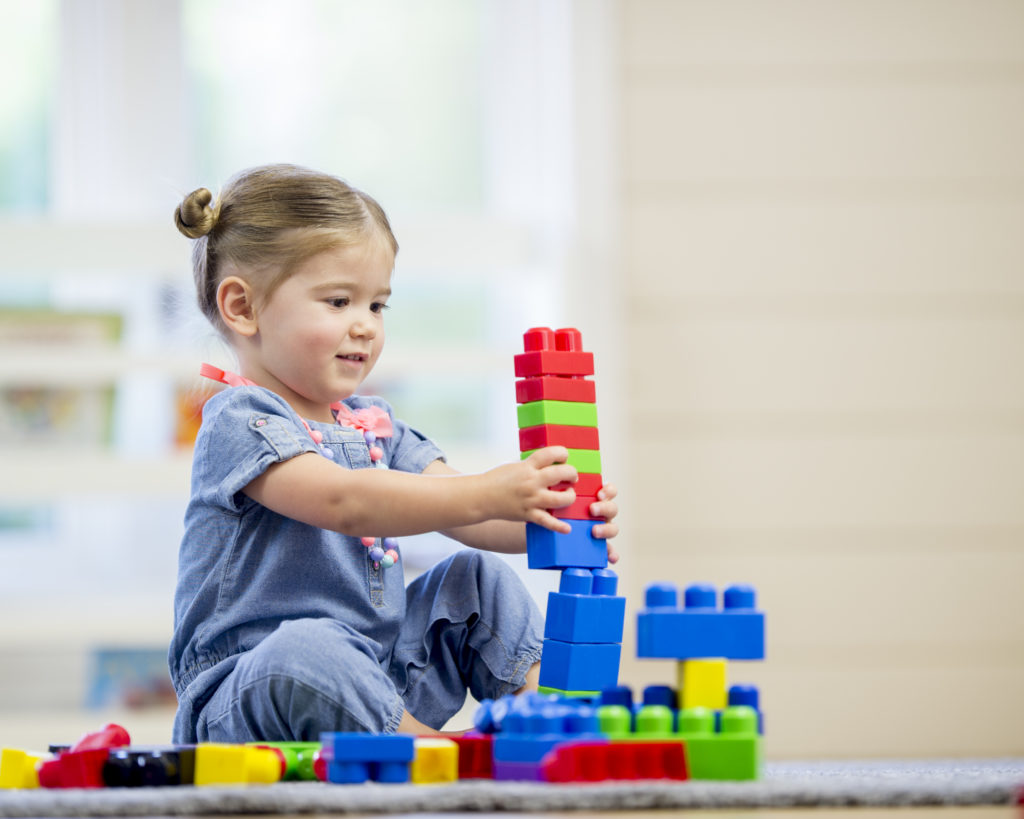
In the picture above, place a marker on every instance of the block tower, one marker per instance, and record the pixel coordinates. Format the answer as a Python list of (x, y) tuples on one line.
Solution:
[(702, 637), (583, 625)]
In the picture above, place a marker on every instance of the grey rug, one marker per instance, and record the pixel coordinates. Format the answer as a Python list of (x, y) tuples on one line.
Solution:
[(790, 784)]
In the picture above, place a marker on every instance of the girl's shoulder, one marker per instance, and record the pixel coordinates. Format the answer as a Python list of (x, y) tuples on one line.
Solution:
[(235, 405)]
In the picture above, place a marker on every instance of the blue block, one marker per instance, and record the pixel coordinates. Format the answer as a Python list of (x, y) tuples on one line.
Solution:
[(579, 666), (583, 610), (534, 724), (552, 550), (700, 629), (354, 758)]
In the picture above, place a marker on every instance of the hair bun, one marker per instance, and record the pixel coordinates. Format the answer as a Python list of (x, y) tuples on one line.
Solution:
[(194, 217)]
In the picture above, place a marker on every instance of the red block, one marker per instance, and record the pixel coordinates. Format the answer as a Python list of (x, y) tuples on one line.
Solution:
[(558, 435), (597, 761), (577, 510), (555, 388), (554, 362), (476, 755), (589, 484), (82, 765)]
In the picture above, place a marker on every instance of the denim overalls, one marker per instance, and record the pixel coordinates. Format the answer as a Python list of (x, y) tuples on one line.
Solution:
[(283, 630)]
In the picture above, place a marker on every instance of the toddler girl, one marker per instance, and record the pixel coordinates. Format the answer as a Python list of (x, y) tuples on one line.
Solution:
[(291, 614)]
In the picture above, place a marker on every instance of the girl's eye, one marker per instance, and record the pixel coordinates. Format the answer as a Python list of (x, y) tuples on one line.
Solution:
[(339, 302), (378, 307)]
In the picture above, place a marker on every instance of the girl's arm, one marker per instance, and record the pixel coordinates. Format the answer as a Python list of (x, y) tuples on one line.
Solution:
[(509, 537), (390, 503)]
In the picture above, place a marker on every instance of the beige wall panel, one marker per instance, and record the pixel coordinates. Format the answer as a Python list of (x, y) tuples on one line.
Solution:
[(679, 135), (959, 708), (673, 32), (947, 254), (872, 605), (768, 373), (832, 482)]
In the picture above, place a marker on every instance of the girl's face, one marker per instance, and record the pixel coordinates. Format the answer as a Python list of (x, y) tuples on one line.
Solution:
[(320, 333)]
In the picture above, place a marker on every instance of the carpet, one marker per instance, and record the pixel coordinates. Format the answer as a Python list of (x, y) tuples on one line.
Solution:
[(785, 784)]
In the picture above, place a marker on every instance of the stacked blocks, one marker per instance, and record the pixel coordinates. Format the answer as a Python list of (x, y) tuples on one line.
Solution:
[(721, 725), (556, 407), (583, 633)]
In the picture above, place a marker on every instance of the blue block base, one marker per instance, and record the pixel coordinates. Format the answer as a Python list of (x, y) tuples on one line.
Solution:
[(577, 618), (579, 666), (578, 549)]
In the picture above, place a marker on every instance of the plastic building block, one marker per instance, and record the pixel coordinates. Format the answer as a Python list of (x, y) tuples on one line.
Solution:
[(660, 695), (733, 753), (585, 609), (559, 435), (18, 768), (436, 760), (532, 726), (588, 484), (702, 684), (555, 388), (146, 768), (354, 758), (554, 362), (217, 764), (476, 755), (579, 509), (700, 629), (579, 666), (600, 761), (585, 460), (553, 550), (298, 758), (81, 766), (558, 352), (750, 696), (567, 413)]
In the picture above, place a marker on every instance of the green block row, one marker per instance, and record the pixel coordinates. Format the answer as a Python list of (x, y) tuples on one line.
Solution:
[(568, 413), (585, 460), (733, 753)]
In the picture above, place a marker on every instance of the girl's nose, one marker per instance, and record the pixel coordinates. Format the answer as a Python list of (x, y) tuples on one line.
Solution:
[(364, 328)]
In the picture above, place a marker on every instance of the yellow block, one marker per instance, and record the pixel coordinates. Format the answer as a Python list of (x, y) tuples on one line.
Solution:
[(18, 768), (436, 760), (236, 765), (702, 684)]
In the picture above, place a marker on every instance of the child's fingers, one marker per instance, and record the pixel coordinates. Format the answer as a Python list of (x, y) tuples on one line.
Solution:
[(548, 455), (608, 510), (608, 492), (549, 521), (605, 531)]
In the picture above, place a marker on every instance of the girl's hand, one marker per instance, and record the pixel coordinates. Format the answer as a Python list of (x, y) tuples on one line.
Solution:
[(606, 508), (520, 491)]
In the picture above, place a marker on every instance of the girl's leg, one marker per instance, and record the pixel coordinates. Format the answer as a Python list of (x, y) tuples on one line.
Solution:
[(308, 676), (470, 624)]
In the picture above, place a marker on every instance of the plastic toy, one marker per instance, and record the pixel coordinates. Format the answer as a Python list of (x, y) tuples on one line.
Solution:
[(18, 768), (130, 768), (702, 684), (353, 758), (237, 765), (700, 629), (585, 608), (81, 766), (599, 761), (577, 549), (476, 755), (436, 760)]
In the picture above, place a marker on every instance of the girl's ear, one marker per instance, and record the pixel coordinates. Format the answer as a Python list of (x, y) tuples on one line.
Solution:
[(235, 301)]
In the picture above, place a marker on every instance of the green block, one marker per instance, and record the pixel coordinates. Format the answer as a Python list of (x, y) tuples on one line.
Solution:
[(568, 413), (576, 695), (586, 461), (732, 754), (298, 757)]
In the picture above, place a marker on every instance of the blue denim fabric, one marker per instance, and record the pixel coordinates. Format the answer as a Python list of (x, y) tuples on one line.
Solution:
[(283, 630)]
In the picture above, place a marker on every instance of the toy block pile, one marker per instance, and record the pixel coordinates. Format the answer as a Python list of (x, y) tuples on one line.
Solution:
[(106, 759), (583, 632)]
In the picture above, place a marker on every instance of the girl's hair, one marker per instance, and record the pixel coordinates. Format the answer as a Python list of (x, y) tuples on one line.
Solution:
[(269, 220)]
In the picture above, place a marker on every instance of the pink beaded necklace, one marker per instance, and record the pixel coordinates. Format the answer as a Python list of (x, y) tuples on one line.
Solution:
[(373, 422)]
